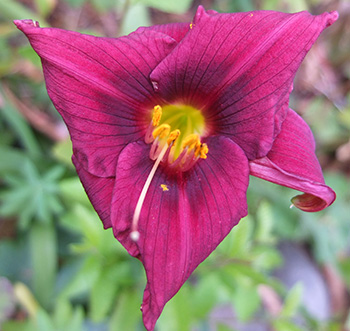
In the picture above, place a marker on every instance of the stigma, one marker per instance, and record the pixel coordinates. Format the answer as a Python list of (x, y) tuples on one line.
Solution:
[(182, 151)]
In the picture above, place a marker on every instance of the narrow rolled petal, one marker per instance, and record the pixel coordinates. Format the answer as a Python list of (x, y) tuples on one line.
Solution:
[(292, 162), (184, 216), (100, 86), (239, 69), (99, 191)]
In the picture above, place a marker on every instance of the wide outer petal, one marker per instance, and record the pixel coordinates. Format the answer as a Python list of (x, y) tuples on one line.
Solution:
[(292, 162), (239, 69), (100, 86), (181, 226), (99, 190), (175, 30)]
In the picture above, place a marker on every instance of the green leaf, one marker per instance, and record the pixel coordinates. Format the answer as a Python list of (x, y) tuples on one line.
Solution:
[(248, 272), (136, 16), (45, 7), (270, 4), (62, 313), (27, 325), (63, 151), (246, 302), (285, 325), (11, 160), (83, 280), (65, 318), (177, 314), (204, 295), (105, 5), (293, 301), (89, 225), (44, 261), (266, 257), (103, 293), (31, 195), (264, 223), (127, 315), (171, 6), (223, 327), (75, 3), (13, 10), (14, 259), (19, 125), (238, 242), (27, 52), (43, 321), (6, 57), (72, 192)]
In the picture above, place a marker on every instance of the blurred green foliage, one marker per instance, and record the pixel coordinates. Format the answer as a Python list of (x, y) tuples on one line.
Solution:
[(67, 273)]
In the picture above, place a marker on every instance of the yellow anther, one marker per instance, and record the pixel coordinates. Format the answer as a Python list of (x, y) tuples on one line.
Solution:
[(164, 187), (173, 136), (197, 149), (192, 25), (191, 141), (157, 114), (161, 131), (203, 151)]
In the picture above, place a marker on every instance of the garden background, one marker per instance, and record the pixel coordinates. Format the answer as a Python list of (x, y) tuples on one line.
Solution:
[(280, 269)]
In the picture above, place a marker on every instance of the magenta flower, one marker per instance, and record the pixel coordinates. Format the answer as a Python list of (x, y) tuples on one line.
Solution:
[(168, 122)]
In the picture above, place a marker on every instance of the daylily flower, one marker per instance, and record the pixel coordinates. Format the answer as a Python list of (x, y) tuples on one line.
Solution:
[(168, 122)]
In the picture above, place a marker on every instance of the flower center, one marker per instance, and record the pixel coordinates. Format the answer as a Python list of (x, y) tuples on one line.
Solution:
[(174, 133), (178, 128)]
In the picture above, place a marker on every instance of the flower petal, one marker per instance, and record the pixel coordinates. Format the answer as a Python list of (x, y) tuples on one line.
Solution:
[(99, 190), (292, 162), (239, 68), (100, 86), (175, 30), (179, 227)]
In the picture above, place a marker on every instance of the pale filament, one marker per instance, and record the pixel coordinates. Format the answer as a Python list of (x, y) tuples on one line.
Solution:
[(135, 235)]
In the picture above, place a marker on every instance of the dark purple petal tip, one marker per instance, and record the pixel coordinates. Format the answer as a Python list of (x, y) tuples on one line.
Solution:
[(311, 203)]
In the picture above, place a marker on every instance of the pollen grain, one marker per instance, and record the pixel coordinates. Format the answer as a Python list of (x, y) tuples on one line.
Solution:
[(164, 187)]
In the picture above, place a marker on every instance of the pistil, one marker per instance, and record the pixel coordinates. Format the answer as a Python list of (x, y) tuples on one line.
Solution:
[(167, 148), (135, 235)]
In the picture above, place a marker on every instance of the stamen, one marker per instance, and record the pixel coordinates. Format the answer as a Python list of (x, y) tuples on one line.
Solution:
[(189, 160), (157, 114), (155, 149), (203, 151), (149, 136), (161, 131), (173, 136), (173, 164), (171, 142), (191, 141), (182, 153), (135, 235)]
